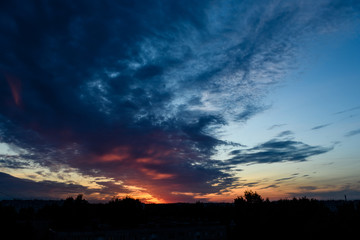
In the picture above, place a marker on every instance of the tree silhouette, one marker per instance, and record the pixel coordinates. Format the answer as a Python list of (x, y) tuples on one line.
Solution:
[(125, 212), (78, 201), (249, 197)]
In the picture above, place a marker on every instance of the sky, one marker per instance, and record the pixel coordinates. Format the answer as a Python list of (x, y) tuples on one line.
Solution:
[(179, 101)]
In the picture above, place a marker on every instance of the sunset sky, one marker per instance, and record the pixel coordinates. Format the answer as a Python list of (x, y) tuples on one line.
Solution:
[(179, 101)]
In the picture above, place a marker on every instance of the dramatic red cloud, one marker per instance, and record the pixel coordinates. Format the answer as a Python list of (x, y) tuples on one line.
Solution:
[(155, 175), (15, 86), (117, 154)]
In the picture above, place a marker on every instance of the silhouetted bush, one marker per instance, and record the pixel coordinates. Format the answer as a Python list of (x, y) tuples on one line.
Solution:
[(126, 212)]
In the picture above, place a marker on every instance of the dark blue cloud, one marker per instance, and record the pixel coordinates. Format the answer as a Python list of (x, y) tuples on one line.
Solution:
[(284, 179), (285, 134), (270, 186), (352, 133), (320, 126), (276, 150), (15, 188), (137, 90), (308, 188)]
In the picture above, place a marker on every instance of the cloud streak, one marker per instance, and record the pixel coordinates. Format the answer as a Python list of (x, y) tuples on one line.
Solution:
[(320, 126), (276, 150), (352, 133)]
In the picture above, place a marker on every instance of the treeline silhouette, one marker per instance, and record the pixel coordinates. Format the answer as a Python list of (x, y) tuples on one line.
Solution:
[(248, 216), (298, 218)]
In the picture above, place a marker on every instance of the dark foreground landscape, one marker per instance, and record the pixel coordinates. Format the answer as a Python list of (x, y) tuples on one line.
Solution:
[(250, 216)]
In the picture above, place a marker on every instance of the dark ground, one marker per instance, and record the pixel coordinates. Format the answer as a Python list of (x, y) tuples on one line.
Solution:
[(248, 217)]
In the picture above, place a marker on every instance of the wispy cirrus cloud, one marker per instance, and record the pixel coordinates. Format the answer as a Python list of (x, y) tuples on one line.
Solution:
[(276, 126), (348, 110)]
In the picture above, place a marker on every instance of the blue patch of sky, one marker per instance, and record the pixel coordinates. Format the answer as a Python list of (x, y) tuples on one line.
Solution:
[(329, 83), (326, 81)]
